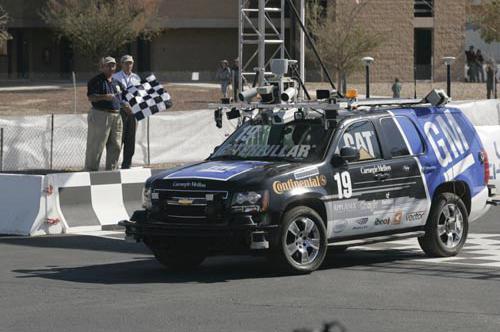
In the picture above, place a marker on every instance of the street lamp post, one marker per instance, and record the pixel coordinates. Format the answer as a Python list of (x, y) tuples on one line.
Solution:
[(448, 60), (415, 81), (367, 61)]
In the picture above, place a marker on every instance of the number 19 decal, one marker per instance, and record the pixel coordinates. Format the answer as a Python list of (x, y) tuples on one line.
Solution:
[(344, 184)]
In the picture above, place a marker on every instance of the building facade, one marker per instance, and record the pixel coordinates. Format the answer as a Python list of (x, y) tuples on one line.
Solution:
[(200, 33)]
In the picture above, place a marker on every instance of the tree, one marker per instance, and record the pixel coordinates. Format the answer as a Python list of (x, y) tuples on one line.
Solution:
[(4, 19), (340, 40), (487, 18), (99, 27)]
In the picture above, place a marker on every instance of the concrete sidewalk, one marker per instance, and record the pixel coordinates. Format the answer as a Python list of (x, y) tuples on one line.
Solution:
[(31, 88)]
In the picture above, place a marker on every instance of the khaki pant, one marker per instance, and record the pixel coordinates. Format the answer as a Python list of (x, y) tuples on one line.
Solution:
[(104, 130)]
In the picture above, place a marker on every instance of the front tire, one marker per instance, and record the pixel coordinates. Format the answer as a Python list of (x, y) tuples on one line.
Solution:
[(303, 244), (447, 227)]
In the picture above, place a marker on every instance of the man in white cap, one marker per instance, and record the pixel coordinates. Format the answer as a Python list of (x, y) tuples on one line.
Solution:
[(128, 79), (104, 122)]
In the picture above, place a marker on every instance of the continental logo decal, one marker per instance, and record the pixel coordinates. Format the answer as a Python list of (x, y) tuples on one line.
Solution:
[(280, 187)]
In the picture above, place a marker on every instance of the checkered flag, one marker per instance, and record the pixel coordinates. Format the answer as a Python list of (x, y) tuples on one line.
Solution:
[(148, 98)]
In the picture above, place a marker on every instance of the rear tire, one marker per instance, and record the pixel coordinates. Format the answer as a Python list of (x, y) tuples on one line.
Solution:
[(302, 245), (447, 227)]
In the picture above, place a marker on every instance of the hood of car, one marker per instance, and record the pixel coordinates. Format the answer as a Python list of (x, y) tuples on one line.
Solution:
[(243, 173)]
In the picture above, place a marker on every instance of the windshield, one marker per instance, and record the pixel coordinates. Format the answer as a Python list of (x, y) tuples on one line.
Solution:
[(298, 141)]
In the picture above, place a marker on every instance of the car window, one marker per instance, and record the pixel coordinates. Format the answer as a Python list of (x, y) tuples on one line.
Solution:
[(394, 140), (417, 145), (362, 136), (300, 141)]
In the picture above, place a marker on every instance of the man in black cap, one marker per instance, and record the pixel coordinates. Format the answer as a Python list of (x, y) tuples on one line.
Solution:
[(105, 125)]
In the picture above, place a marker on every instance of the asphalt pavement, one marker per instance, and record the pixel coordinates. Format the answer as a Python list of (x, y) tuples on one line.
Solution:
[(101, 283)]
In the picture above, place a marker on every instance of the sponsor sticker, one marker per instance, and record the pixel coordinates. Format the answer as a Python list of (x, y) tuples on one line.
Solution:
[(397, 218), (189, 184), (264, 150), (305, 173), (382, 221), (214, 170), (340, 226), (281, 187), (375, 169), (361, 224), (415, 216), (345, 206)]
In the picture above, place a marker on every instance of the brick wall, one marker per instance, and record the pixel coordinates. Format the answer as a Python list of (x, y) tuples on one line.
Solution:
[(449, 37), (393, 19)]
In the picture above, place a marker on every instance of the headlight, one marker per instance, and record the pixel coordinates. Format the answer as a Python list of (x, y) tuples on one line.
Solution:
[(251, 201), (250, 197), (146, 198)]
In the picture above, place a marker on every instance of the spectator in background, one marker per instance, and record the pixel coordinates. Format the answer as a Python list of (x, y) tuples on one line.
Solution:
[(235, 70), (471, 64), (396, 89), (224, 77), (490, 81), (479, 64), (104, 122), (128, 79)]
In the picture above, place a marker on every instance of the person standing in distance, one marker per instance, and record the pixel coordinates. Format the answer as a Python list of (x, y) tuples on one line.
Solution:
[(224, 77), (396, 89), (104, 122), (128, 78)]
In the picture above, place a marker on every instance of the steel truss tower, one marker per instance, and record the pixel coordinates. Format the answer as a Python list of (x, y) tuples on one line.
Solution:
[(262, 38)]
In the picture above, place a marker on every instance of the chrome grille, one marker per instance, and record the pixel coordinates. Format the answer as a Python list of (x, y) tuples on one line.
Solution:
[(189, 206)]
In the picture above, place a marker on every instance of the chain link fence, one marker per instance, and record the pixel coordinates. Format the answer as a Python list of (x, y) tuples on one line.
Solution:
[(57, 142), (54, 142)]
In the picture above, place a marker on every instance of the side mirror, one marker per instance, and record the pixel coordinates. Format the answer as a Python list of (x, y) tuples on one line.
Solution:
[(215, 150), (349, 154)]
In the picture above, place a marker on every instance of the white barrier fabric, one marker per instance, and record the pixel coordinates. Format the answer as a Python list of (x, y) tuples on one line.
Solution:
[(490, 137), (481, 112), (26, 142)]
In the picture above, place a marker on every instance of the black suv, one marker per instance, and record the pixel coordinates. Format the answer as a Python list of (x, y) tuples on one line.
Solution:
[(292, 187)]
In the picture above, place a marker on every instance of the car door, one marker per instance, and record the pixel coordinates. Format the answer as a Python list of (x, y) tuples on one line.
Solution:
[(379, 192), (359, 201), (403, 145)]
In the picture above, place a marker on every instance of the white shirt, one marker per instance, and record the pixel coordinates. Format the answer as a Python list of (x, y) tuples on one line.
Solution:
[(127, 80)]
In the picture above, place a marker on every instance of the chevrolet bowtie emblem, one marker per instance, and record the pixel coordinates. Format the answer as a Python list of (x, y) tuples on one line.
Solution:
[(185, 201)]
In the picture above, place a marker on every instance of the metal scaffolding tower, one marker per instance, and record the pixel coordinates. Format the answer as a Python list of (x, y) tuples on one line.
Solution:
[(262, 37)]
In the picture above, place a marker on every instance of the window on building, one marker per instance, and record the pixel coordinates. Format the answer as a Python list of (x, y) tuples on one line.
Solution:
[(424, 8)]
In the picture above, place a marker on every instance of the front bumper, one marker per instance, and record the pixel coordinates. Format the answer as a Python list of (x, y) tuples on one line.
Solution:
[(240, 230)]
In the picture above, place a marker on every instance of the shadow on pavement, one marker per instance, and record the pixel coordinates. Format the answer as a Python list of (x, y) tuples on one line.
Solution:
[(223, 269), (76, 242)]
